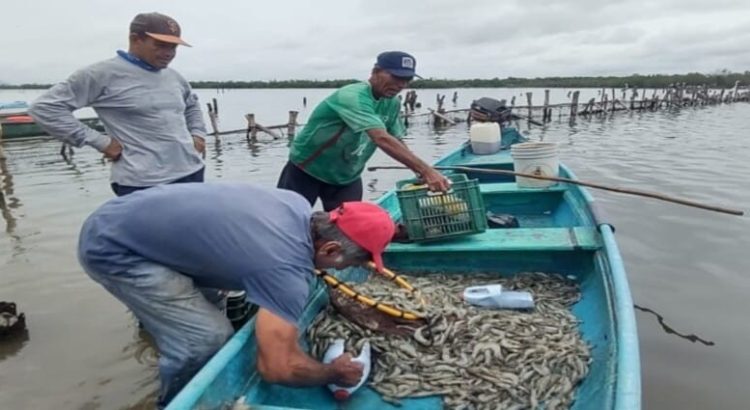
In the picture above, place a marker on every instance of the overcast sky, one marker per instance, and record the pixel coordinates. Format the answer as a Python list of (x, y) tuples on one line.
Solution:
[(45, 41)]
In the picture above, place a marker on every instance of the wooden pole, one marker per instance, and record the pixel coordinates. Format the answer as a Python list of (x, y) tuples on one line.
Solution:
[(440, 116), (574, 105), (292, 123), (546, 113), (268, 131), (252, 130), (735, 94), (216, 108), (589, 106), (630, 191), (214, 123), (528, 98)]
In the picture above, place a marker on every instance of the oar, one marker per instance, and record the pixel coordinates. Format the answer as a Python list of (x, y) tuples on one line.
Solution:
[(630, 191)]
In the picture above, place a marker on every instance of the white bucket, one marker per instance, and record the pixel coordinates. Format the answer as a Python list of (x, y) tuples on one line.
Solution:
[(537, 158)]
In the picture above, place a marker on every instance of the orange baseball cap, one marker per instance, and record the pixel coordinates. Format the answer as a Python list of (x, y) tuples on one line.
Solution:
[(158, 26), (368, 225)]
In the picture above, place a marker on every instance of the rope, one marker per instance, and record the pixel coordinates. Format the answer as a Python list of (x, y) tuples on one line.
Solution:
[(385, 308)]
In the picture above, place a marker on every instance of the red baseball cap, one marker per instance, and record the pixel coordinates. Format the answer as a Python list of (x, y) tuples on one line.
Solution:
[(368, 225)]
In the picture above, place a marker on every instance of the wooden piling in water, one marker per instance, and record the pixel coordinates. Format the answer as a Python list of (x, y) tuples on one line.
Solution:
[(574, 105), (292, 123), (213, 118), (589, 107), (546, 111), (528, 99), (252, 129)]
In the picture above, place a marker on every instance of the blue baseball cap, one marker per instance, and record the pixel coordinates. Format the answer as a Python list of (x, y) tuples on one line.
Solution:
[(397, 63)]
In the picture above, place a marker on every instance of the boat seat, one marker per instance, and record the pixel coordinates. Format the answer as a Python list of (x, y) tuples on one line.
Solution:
[(515, 239)]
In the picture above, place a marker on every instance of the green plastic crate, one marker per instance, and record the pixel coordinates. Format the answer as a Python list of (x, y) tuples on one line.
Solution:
[(429, 216)]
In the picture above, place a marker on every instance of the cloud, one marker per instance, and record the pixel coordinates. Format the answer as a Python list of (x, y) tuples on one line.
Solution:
[(45, 41)]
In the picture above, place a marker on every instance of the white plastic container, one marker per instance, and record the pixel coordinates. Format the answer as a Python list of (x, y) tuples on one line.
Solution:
[(485, 137), (335, 350), (537, 158), (494, 296)]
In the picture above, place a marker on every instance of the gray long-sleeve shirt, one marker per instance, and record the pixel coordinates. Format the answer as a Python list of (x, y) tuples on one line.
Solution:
[(153, 114)]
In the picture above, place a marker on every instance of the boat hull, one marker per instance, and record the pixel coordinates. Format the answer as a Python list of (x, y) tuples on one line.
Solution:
[(560, 231), (13, 130)]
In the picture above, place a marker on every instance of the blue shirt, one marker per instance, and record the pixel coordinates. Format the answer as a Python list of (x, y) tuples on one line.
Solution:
[(223, 235)]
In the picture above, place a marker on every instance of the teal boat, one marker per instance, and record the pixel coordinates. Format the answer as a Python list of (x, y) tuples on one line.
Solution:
[(23, 126), (560, 231), (13, 105)]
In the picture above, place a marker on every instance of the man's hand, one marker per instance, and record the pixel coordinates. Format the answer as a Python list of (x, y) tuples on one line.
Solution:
[(200, 145), (346, 372), (398, 150), (113, 150), (281, 360), (436, 181)]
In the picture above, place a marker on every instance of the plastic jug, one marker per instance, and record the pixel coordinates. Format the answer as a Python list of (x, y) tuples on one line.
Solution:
[(485, 138), (337, 349), (493, 296)]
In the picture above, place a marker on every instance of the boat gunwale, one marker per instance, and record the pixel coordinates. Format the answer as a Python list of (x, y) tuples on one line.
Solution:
[(626, 386)]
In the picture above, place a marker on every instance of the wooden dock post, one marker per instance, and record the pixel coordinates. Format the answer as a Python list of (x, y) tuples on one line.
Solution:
[(735, 93), (213, 118), (605, 100), (574, 105), (252, 130), (528, 99), (216, 107), (546, 111), (292, 122), (589, 106)]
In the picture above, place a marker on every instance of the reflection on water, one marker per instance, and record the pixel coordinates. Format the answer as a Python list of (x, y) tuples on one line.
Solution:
[(86, 353), (13, 343), (8, 203)]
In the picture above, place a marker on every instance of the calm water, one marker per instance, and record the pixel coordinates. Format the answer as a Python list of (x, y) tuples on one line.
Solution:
[(84, 352)]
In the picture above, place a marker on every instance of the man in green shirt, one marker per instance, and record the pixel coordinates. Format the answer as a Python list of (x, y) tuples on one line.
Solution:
[(327, 158)]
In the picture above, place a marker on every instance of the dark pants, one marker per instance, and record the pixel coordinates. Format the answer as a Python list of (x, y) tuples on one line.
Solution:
[(121, 190), (294, 179)]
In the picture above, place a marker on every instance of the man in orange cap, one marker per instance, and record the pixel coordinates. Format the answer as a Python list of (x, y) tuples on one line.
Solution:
[(155, 129), (265, 241)]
